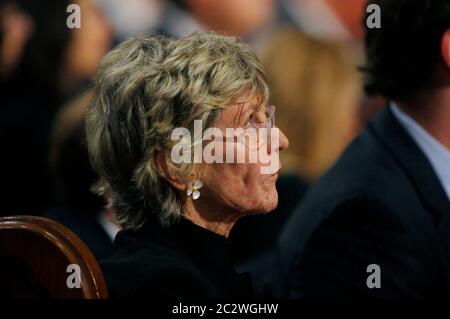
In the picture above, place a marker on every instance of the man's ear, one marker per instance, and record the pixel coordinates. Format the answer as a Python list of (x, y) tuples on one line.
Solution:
[(445, 48), (166, 170)]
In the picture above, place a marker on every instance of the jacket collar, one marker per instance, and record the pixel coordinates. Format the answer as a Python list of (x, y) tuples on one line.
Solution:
[(413, 162)]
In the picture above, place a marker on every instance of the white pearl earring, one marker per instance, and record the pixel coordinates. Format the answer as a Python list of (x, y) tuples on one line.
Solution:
[(193, 189)]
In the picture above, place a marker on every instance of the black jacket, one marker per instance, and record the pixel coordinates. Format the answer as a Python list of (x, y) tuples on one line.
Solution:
[(185, 261), (380, 204)]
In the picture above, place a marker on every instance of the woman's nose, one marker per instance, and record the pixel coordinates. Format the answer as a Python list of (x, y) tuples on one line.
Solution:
[(283, 141)]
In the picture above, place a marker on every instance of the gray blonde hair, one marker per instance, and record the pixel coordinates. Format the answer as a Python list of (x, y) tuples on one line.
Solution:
[(143, 90)]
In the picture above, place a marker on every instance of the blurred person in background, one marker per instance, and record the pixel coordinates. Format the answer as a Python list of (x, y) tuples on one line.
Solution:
[(49, 63), (377, 224), (317, 87), (15, 29), (75, 206), (325, 20), (332, 22), (247, 19)]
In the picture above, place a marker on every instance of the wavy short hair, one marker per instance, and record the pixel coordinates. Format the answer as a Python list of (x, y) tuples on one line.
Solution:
[(143, 90)]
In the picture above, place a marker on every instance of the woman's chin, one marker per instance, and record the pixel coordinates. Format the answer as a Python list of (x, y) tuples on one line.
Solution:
[(270, 203)]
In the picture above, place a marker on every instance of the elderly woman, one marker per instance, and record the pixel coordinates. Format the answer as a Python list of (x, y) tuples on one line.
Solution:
[(176, 215)]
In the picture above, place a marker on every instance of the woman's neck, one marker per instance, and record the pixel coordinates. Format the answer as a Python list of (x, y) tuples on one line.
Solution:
[(218, 223)]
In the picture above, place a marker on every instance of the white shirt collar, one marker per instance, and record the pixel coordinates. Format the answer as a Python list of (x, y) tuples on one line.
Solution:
[(437, 154), (108, 226)]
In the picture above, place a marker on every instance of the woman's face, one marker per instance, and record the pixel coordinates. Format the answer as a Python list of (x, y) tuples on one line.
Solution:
[(241, 188)]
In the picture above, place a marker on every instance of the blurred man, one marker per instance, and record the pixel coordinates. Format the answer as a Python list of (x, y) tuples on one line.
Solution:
[(378, 223)]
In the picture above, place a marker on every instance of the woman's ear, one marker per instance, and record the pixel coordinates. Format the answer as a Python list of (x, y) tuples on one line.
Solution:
[(168, 172), (445, 48)]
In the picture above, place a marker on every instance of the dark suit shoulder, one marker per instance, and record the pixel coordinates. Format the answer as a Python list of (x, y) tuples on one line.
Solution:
[(363, 211), (361, 232), (366, 185)]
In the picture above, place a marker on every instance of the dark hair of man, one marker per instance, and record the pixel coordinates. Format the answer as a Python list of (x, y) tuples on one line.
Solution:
[(404, 52)]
